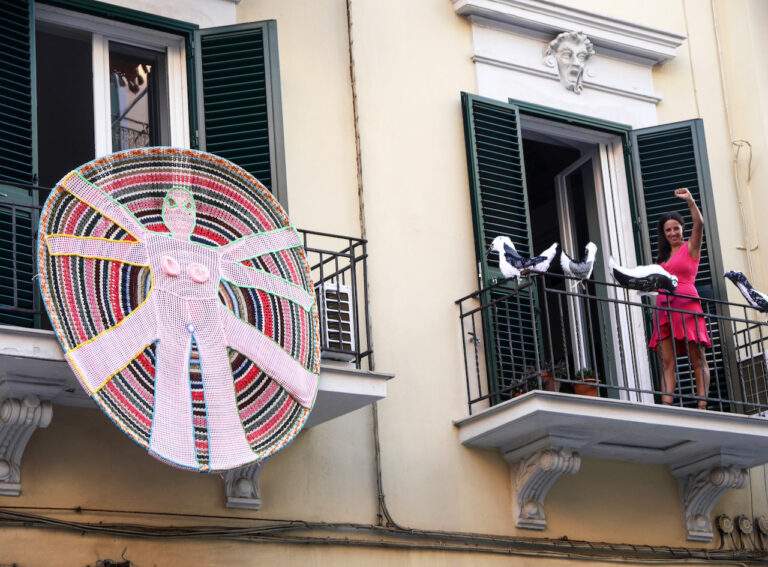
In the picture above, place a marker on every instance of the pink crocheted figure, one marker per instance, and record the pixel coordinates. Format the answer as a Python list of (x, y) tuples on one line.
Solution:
[(183, 306)]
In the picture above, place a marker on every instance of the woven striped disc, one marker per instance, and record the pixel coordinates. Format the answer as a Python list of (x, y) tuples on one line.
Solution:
[(182, 297)]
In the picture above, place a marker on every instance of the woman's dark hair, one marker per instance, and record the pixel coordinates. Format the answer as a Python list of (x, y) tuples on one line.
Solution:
[(664, 248)]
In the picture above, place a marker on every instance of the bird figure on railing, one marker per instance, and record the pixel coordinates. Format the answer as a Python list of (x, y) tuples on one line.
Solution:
[(579, 270), (645, 279), (513, 265), (755, 298)]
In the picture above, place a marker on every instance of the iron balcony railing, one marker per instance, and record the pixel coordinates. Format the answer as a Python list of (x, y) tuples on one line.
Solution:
[(338, 267), (553, 333)]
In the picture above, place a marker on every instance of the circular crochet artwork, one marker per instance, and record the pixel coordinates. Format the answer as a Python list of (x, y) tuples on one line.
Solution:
[(182, 297)]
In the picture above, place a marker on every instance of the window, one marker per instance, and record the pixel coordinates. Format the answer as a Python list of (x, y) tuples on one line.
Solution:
[(540, 175), (82, 79), (109, 85)]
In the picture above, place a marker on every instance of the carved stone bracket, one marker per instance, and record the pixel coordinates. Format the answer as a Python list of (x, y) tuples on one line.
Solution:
[(242, 487), (532, 477), (699, 493), (18, 421)]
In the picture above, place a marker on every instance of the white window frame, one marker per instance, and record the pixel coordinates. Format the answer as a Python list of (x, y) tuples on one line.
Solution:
[(617, 239), (102, 32)]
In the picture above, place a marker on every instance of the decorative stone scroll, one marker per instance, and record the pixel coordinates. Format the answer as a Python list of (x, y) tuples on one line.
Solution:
[(532, 477), (700, 491), (242, 487), (182, 297), (19, 419)]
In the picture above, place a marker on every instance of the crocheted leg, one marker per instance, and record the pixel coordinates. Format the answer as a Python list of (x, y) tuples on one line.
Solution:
[(270, 357), (228, 445), (173, 436), (123, 343)]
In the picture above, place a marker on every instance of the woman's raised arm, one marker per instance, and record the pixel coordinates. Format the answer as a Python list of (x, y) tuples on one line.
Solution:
[(697, 232)]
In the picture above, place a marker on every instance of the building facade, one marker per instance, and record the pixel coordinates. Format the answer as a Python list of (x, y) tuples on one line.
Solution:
[(402, 137)]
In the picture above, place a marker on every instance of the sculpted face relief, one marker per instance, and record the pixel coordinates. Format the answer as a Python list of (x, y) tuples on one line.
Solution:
[(570, 52)]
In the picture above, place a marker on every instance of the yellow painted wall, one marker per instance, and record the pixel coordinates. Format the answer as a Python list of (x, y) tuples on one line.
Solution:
[(412, 61)]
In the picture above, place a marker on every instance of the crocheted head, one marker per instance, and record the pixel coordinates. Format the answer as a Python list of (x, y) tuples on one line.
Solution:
[(179, 212)]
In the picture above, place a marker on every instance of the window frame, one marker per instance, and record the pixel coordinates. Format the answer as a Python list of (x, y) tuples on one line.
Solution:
[(176, 105), (619, 181)]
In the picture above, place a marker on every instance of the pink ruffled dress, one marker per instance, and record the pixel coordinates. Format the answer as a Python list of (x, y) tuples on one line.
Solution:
[(685, 327)]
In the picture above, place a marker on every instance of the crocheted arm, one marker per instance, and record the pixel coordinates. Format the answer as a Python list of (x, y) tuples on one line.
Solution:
[(259, 279), (97, 199), (260, 244), (299, 382), (104, 249), (123, 343)]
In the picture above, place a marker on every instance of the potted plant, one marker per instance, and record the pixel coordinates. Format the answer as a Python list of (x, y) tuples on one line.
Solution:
[(548, 371), (586, 384)]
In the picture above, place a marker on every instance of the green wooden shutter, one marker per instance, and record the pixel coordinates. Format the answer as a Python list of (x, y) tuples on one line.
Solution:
[(500, 207), (18, 218), (17, 135), (239, 100), (497, 178), (667, 157), (664, 158)]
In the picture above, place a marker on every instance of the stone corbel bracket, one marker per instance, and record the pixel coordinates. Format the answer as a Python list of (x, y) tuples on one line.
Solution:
[(242, 487), (700, 492), (702, 483), (19, 419), (532, 477)]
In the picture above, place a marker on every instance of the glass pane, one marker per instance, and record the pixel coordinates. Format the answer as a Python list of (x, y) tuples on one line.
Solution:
[(64, 102), (133, 79)]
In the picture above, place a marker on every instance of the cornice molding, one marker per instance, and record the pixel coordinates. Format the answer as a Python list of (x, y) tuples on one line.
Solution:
[(544, 19), (547, 73)]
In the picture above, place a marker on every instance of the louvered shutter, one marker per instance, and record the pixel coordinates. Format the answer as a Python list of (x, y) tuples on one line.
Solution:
[(500, 207), (18, 223), (16, 96), (667, 157), (239, 100)]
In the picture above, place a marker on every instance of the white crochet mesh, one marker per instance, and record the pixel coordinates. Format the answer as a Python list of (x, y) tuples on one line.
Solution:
[(182, 307)]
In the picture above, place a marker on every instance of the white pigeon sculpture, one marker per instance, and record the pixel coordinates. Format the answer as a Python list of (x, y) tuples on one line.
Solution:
[(646, 279), (755, 298), (579, 270), (503, 245), (513, 265)]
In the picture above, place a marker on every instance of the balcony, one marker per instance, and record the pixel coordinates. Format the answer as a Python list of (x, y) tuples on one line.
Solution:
[(526, 349), (34, 374)]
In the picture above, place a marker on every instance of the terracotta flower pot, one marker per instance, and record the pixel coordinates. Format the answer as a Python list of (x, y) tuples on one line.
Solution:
[(547, 380), (587, 388)]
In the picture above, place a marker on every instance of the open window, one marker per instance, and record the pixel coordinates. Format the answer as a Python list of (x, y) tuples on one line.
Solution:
[(541, 176), (82, 80)]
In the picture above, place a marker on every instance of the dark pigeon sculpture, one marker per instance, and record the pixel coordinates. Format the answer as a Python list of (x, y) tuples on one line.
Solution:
[(755, 298), (646, 279)]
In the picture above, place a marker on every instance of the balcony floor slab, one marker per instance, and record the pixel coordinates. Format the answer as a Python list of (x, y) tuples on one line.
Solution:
[(32, 362), (617, 429)]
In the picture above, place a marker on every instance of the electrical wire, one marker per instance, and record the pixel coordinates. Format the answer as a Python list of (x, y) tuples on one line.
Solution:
[(275, 531)]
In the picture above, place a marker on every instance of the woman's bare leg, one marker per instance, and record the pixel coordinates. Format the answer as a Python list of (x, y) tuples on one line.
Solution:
[(700, 371), (666, 353)]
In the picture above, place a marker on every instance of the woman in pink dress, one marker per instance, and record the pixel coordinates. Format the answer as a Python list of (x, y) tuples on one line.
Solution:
[(687, 331)]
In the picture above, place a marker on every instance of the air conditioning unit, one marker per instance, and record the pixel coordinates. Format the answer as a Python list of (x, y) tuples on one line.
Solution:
[(754, 370), (337, 323)]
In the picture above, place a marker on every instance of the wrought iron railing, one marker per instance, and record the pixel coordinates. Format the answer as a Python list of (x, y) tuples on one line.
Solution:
[(338, 268), (553, 333)]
